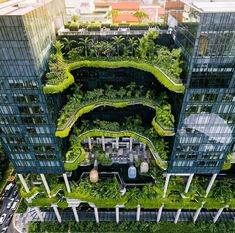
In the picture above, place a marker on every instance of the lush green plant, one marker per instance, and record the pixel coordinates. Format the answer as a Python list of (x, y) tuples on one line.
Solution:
[(142, 54), (133, 226), (81, 103)]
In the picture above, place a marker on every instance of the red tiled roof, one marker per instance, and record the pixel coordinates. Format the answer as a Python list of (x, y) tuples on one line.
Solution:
[(129, 18), (126, 6), (161, 11)]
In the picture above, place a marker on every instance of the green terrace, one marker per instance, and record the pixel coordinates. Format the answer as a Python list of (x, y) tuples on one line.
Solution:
[(130, 127), (76, 154), (135, 53), (80, 103), (106, 194)]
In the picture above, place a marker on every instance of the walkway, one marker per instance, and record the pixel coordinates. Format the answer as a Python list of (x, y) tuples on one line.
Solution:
[(124, 215)]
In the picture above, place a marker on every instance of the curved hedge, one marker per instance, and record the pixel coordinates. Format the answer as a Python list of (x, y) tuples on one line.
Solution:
[(119, 103), (99, 133), (60, 87), (156, 71)]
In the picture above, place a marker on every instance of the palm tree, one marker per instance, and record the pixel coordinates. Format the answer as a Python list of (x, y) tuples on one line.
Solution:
[(132, 43), (85, 43), (118, 42), (140, 15), (75, 18), (68, 43)]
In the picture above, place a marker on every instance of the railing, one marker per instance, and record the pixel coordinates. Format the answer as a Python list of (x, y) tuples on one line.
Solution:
[(105, 32), (174, 83)]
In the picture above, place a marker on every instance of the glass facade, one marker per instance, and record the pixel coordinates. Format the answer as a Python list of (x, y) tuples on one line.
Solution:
[(205, 133), (27, 130)]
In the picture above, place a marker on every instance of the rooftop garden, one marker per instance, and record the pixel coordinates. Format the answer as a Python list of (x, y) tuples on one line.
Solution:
[(141, 53), (80, 103), (131, 127)]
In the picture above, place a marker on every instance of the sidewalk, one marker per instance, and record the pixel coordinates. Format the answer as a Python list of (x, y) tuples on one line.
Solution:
[(21, 222)]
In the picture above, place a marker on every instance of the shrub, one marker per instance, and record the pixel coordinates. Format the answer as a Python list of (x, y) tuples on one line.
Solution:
[(114, 26), (73, 27), (139, 26), (94, 27), (67, 25)]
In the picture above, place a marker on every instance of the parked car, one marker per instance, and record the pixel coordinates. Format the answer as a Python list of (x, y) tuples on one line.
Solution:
[(8, 221), (4, 230), (8, 189), (2, 218), (14, 205), (15, 193), (10, 203)]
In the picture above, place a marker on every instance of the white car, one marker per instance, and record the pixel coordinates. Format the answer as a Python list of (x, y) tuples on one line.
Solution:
[(10, 203), (14, 205), (2, 218), (4, 230)]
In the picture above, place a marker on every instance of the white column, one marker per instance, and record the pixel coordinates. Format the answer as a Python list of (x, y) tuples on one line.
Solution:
[(39, 213), (218, 214), (57, 213), (75, 213), (89, 143), (197, 214), (138, 213), (210, 184), (117, 143), (45, 184), (159, 213), (188, 183), (144, 147), (23, 182), (177, 216), (96, 215), (66, 182), (117, 214), (166, 184), (103, 144), (131, 142)]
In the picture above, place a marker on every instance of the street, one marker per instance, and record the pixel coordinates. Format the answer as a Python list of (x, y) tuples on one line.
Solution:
[(13, 197)]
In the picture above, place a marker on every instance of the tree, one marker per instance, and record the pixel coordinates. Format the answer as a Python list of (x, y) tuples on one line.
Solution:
[(68, 43), (58, 46), (112, 14), (97, 48), (109, 49), (140, 15), (75, 18), (132, 42), (57, 71), (118, 42), (3, 162), (85, 43)]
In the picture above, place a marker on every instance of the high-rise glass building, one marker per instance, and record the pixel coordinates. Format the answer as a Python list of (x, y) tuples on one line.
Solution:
[(28, 31), (55, 132), (205, 132)]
